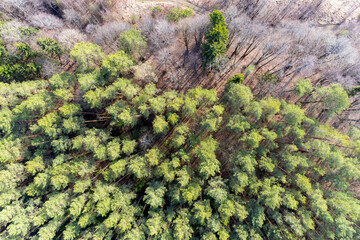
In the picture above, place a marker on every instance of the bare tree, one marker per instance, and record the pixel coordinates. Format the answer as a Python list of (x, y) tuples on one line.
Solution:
[(95, 11), (184, 27), (147, 25), (146, 140), (235, 27), (21, 9), (198, 28), (9, 32), (163, 34), (90, 28), (45, 20), (68, 37), (107, 34), (164, 57), (49, 67), (272, 50), (248, 38), (73, 18)]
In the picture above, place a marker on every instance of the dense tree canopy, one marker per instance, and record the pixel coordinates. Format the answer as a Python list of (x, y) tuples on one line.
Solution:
[(98, 142), (152, 163)]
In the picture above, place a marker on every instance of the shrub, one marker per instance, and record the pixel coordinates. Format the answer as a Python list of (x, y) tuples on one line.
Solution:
[(177, 13), (237, 78), (155, 10), (268, 77), (132, 42)]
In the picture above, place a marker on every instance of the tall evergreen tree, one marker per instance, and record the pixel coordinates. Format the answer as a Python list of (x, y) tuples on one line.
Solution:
[(216, 38)]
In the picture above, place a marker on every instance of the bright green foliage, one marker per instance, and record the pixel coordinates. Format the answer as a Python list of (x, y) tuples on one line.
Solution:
[(238, 123), (89, 81), (137, 166), (173, 118), (180, 135), (128, 146), (271, 194), (303, 183), (177, 13), (254, 110), (117, 63), (55, 206), (344, 228), (156, 224), (268, 77), (133, 43), (77, 205), (50, 46), (216, 38), (35, 165), (94, 156), (191, 192), (226, 210), (24, 51), (319, 206), (155, 10), (217, 190), (160, 125), (303, 87), (182, 229), (63, 80), (20, 65), (252, 138), (293, 115), (154, 195), (294, 223), (153, 156), (209, 165), (212, 118), (28, 31), (266, 164), (88, 55), (289, 201), (238, 95), (334, 99), (157, 105), (270, 106), (237, 78), (202, 211)]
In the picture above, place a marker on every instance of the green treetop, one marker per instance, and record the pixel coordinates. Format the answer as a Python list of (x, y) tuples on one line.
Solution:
[(216, 38), (88, 55)]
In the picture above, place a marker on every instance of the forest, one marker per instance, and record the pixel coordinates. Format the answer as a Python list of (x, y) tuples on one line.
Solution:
[(204, 120)]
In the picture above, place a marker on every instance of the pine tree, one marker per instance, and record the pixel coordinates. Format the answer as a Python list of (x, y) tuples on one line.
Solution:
[(216, 38), (88, 55)]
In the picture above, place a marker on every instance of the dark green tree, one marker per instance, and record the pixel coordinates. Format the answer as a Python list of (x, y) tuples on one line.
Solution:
[(50, 46), (216, 38)]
